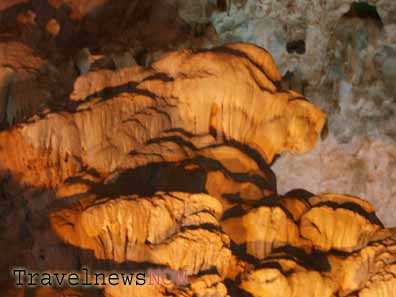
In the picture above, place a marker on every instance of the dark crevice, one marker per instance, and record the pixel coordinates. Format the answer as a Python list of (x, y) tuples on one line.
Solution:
[(299, 194), (141, 57), (233, 212), (294, 81), (269, 201), (160, 76), (183, 132), (256, 156), (168, 176), (325, 131), (175, 139), (210, 271), (222, 5), (233, 197), (296, 46), (370, 216), (111, 92), (240, 251), (316, 261), (364, 10), (234, 290), (207, 226), (240, 54), (199, 30), (273, 201), (245, 149), (268, 183)]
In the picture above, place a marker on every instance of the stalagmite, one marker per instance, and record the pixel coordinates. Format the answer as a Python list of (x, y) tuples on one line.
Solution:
[(7, 76)]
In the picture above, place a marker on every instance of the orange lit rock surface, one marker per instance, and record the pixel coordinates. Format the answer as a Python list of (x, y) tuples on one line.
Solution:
[(169, 166)]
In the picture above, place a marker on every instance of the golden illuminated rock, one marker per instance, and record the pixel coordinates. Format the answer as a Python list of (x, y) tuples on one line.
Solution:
[(53, 27), (262, 230), (337, 222), (371, 270), (108, 135), (285, 277), (169, 166), (142, 134), (176, 229)]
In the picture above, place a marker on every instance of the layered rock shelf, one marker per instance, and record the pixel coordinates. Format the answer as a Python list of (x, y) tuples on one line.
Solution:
[(131, 160)]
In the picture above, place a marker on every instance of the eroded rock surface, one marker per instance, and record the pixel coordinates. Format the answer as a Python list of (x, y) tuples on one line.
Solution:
[(339, 54), (169, 166), (117, 152)]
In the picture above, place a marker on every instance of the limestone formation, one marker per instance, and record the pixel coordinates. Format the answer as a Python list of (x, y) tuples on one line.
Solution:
[(82, 61), (113, 230), (139, 135), (33, 82), (282, 276), (53, 27), (339, 54), (371, 269), (125, 59), (160, 108), (338, 222), (138, 149), (6, 78), (28, 17), (263, 230)]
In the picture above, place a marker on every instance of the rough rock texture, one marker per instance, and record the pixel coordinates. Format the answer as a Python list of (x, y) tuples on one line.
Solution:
[(117, 152), (175, 229), (367, 167), (168, 166), (340, 55)]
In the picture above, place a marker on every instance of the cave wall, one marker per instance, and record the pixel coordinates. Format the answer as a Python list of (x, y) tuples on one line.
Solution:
[(115, 112), (339, 54)]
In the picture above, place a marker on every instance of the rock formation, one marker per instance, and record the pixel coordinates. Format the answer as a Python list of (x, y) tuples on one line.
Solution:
[(129, 158)]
